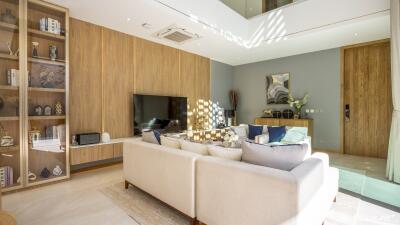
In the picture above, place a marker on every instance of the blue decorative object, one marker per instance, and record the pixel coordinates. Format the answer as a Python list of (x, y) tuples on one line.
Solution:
[(276, 134), (157, 134), (254, 131)]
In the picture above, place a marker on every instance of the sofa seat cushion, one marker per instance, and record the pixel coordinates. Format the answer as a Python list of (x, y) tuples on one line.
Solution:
[(284, 157), (194, 147), (170, 142), (226, 153)]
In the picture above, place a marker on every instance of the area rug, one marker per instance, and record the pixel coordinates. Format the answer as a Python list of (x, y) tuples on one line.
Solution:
[(142, 207)]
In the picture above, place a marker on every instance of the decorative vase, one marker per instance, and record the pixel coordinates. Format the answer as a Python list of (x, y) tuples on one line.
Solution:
[(297, 113), (53, 52), (35, 46)]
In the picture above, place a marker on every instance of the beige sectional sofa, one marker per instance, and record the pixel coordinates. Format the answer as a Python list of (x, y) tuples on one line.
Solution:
[(218, 191)]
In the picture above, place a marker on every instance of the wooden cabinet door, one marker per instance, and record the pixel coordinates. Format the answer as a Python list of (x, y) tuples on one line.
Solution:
[(84, 155), (118, 150), (106, 152), (267, 121), (367, 100)]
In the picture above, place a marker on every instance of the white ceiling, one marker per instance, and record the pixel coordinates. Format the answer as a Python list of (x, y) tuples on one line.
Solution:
[(304, 26)]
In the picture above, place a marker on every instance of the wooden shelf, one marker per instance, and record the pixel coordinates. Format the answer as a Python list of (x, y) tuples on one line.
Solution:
[(14, 148), (8, 87), (8, 26), (58, 90), (9, 118), (39, 33), (7, 56), (46, 117), (47, 61)]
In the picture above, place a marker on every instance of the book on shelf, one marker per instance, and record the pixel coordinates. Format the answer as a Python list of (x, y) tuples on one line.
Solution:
[(13, 77), (6, 176), (50, 25)]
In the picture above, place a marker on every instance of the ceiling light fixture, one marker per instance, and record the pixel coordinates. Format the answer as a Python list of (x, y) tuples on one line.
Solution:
[(128, 19), (355, 34)]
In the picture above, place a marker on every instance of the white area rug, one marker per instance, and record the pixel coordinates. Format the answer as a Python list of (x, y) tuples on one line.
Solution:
[(142, 207)]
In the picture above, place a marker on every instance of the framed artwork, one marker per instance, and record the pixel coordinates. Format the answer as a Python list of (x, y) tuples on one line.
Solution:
[(278, 88)]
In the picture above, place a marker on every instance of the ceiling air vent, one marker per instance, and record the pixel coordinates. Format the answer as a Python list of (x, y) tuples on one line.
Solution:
[(177, 35)]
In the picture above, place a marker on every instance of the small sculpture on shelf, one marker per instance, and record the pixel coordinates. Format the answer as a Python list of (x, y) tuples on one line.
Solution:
[(57, 171), (5, 140), (53, 52), (35, 46), (34, 135), (47, 110), (45, 173), (8, 17), (38, 110), (58, 109), (10, 51)]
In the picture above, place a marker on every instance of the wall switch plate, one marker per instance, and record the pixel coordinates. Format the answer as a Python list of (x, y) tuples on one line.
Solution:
[(312, 110)]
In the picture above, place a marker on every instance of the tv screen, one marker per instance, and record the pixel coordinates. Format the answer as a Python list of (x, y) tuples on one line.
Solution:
[(163, 113)]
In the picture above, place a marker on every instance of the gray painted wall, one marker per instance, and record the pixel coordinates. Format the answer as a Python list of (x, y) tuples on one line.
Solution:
[(317, 73), (221, 83)]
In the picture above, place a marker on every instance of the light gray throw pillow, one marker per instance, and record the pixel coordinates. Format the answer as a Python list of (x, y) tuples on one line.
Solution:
[(149, 137), (284, 157)]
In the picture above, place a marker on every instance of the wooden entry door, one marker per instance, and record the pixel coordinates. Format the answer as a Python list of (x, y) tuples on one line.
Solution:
[(367, 99)]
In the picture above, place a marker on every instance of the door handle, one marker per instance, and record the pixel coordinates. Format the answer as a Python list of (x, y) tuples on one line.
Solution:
[(347, 112)]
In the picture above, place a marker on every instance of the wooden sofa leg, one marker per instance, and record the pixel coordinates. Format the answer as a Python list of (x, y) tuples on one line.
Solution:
[(334, 200), (126, 184), (193, 221)]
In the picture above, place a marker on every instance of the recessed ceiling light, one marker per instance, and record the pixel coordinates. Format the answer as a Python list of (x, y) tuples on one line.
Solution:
[(146, 25), (355, 34), (128, 19)]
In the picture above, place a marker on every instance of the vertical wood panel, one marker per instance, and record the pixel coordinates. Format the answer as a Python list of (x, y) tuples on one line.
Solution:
[(85, 77), (202, 78), (157, 69), (188, 76), (118, 76)]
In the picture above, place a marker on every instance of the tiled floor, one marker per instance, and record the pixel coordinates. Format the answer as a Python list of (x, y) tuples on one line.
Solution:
[(81, 202)]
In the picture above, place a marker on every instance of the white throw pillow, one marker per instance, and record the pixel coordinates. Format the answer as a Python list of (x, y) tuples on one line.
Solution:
[(240, 131), (295, 135), (170, 142), (226, 153), (194, 147), (285, 157), (262, 139), (149, 137)]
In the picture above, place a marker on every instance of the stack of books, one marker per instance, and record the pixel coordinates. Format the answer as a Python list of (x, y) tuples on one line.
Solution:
[(6, 176), (13, 77), (50, 25)]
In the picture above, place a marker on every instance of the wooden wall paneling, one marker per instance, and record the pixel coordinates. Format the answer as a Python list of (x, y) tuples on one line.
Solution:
[(85, 77), (202, 78), (188, 69), (157, 68), (118, 78)]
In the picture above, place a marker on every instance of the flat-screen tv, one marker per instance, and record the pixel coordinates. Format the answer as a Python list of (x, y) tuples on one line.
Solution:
[(164, 113)]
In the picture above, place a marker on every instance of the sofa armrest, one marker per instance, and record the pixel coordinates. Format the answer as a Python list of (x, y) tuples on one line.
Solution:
[(237, 193), (310, 178)]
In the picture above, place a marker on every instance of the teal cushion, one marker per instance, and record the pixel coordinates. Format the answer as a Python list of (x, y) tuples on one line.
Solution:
[(294, 135)]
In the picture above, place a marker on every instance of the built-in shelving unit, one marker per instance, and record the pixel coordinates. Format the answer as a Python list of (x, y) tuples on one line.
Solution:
[(34, 107)]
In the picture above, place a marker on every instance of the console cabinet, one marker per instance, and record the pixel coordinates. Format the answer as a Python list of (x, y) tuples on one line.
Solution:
[(287, 122)]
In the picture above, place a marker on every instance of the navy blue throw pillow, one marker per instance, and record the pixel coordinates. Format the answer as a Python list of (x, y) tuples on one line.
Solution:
[(255, 131), (276, 134), (157, 134)]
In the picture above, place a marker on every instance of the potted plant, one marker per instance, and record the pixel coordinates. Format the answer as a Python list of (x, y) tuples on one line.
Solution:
[(298, 104)]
